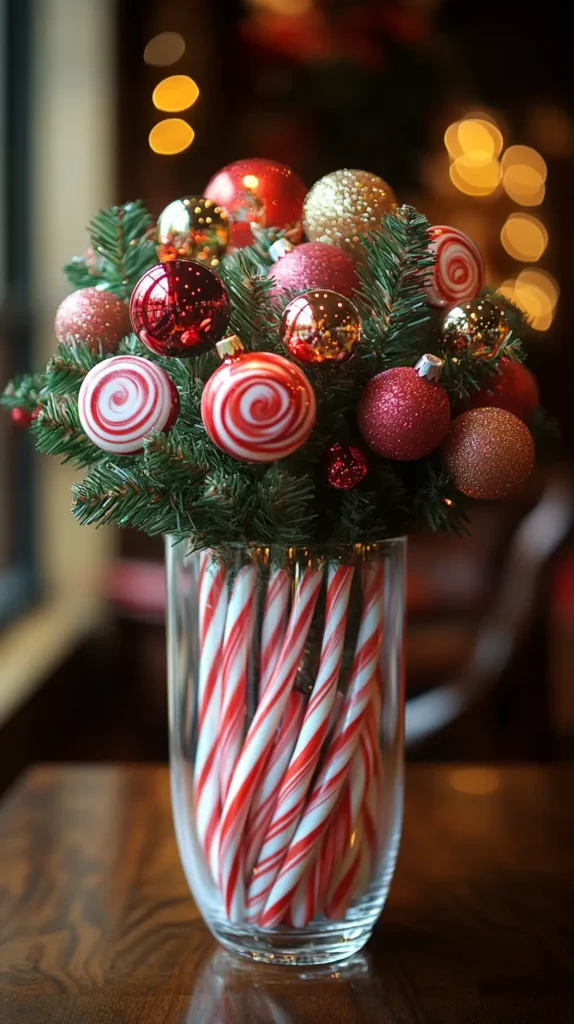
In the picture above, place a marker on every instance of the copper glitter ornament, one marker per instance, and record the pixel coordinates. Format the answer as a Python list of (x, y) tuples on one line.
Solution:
[(488, 453), (193, 228), (94, 317), (478, 326), (345, 465), (344, 206), (320, 327), (403, 414)]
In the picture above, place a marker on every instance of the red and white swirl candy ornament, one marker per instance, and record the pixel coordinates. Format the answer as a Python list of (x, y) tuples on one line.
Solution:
[(458, 273), (123, 400), (257, 406)]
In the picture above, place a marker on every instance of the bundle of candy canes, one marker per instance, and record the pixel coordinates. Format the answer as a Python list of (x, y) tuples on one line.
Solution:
[(284, 841)]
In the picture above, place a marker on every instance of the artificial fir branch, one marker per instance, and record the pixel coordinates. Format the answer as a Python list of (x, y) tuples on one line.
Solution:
[(68, 366), (436, 504), (57, 431), (464, 373), (123, 250), (286, 510), (123, 493), (249, 290), (23, 392)]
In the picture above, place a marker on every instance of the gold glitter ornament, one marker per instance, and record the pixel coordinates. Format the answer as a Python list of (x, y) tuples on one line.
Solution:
[(193, 228), (345, 205), (320, 326), (94, 317), (478, 326), (488, 453)]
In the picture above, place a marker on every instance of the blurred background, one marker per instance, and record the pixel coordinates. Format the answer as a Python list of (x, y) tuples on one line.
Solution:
[(468, 111)]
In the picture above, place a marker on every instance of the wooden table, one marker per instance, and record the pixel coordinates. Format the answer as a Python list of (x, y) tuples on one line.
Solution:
[(97, 927)]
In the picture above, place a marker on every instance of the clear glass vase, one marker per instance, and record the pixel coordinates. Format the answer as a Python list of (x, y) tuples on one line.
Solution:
[(286, 739)]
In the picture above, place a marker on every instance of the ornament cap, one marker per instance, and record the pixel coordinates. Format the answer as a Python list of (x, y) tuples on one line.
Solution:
[(280, 248), (429, 366), (228, 347)]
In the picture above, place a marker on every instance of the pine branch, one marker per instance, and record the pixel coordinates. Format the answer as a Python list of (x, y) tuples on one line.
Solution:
[(125, 495), (68, 367), (285, 512), (396, 318), (121, 239), (23, 392), (57, 431), (245, 277), (437, 505), (168, 459), (464, 373)]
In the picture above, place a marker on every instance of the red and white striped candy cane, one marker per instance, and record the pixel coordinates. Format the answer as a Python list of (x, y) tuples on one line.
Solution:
[(295, 784), (258, 743), (338, 890), (212, 612), (266, 798), (333, 774), (274, 622), (236, 647)]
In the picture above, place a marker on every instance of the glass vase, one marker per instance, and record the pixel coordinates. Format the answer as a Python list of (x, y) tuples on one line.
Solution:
[(286, 741)]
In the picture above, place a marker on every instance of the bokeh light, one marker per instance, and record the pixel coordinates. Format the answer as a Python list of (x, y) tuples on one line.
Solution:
[(171, 136), (475, 177), (524, 175), (164, 49), (476, 137), (536, 292), (292, 7), (178, 92), (524, 237)]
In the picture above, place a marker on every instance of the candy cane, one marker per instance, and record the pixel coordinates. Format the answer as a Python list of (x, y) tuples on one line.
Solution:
[(266, 798), (331, 779), (212, 612), (236, 646), (295, 784), (258, 743), (340, 888), (273, 628)]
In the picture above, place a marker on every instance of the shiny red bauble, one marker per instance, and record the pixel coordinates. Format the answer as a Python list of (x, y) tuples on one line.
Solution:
[(257, 191), (513, 388), (179, 308), (316, 265), (402, 415)]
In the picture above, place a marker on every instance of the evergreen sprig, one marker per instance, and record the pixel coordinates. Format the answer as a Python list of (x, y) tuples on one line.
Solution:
[(58, 431), (23, 392), (123, 250)]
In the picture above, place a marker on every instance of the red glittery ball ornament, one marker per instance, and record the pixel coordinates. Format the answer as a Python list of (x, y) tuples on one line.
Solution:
[(345, 465), (403, 413), (94, 317), (179, 308), (316, 265), (257, 191), (488, 453), (513, 387)]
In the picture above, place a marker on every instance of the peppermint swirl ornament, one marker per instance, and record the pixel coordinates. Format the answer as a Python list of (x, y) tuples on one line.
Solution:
[(458, 273), (257, 406), (124, 399)]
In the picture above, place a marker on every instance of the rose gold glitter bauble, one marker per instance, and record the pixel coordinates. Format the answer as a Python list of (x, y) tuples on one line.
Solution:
[(93, 317), (402, 415), (488, 453), (344, 206)]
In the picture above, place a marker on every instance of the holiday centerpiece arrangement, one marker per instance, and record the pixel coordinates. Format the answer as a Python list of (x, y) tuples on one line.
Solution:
[(284, 383)]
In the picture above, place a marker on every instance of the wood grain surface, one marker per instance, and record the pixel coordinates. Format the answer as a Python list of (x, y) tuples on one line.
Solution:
[(97, 926)]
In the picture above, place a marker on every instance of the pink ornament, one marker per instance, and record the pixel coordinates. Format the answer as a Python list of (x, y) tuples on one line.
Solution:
[(123, 400), (403, 415), (257, 191), (258, 407), (458, 274), (93, 316), (316, 265)]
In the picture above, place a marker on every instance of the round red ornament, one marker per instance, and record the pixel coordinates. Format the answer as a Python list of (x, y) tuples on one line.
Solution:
[(345, 465), (123, 400), (458, 273), (403, 413), (320, 327), (257, 406), (513, 387), (316, 265), (94, 317), (257, 191), (488, 453), (22, 418), (179, 308)]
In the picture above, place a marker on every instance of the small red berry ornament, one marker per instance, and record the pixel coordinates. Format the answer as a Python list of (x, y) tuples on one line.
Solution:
[(22, 418), (403, 413), (513, 387), (180, 308), (345, 465), (458, 273), (316, 265), (257, 191), (257, 406), (320, 327), (488, 453), (94, 317)]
